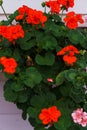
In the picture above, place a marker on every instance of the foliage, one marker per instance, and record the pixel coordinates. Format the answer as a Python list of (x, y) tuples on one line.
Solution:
[(44, 58)]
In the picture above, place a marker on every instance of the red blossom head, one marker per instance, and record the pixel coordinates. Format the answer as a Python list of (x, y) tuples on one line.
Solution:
[(31, 16), (73, 19), (36, 17), (49, 115), (57, 5), (12, 32), (9, 64), (53, 5), (68, 53)]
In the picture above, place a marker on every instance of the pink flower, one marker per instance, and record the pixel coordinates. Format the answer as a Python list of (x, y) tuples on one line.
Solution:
[(83, 122), (80, 117), (49, 79), (77, 115)]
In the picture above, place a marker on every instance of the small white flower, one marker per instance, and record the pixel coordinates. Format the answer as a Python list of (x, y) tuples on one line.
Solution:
[(86, 68), (47, 127), (85, 88)]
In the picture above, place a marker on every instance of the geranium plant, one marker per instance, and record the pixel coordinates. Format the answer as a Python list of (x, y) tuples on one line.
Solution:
[(44, 58)]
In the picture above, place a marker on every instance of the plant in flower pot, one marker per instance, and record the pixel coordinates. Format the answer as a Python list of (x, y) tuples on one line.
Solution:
[(44, 59)]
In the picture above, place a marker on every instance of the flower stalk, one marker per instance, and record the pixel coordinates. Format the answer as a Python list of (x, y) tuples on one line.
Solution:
[(1, 2)]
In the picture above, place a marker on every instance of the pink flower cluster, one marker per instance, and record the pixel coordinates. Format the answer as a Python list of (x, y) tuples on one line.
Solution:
[(80, 117)]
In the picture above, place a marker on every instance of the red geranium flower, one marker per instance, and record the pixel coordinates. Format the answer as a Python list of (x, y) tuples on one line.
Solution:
[(72, 20), (69, 54), (31, 16), (69, 59), (62, 2), (35, 17), (69, 3), (12, 32), (53, 5), (9, 64), (56, 5), (22, 12), (68, 49), (50, 115)]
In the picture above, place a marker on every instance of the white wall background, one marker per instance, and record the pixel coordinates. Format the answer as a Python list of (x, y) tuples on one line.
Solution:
[(80, 6), (11, 5)]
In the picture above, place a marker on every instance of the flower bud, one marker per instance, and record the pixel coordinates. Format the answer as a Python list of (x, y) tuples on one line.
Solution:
[(43, 4), (1, 2), (0, 23)]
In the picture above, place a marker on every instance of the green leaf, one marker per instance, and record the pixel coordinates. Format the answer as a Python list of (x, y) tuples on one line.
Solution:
[(27, 42), (32, 121), (6, 52), (55, 27), (85, 107), (23, 107), (32, 77), (82, 128), (63, 123), (52, 128), (24, 115), (17, 86), (77, 95), (43, 100), (74, 36), (39, 128), (9, 76), (47, 42), (65, 89), (71, 74), (57, 18), (10, 95), (22, 97), (12, 16), (26, 45), (16, 54), (38, 101), (60, 78), (5, 44), (48, 59), (74, 127), (33, 112)]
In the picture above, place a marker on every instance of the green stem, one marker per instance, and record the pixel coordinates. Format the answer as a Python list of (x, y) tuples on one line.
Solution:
[(45, 9), (4, 12), (62, 14)]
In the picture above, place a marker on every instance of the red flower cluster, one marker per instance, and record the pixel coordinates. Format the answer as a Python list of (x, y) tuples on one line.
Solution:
[(57, 5), (72, 20), (68, 53), (12, 32), (54, 6), (9, 64), (31, 16), (50, 115), (66, 3)]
